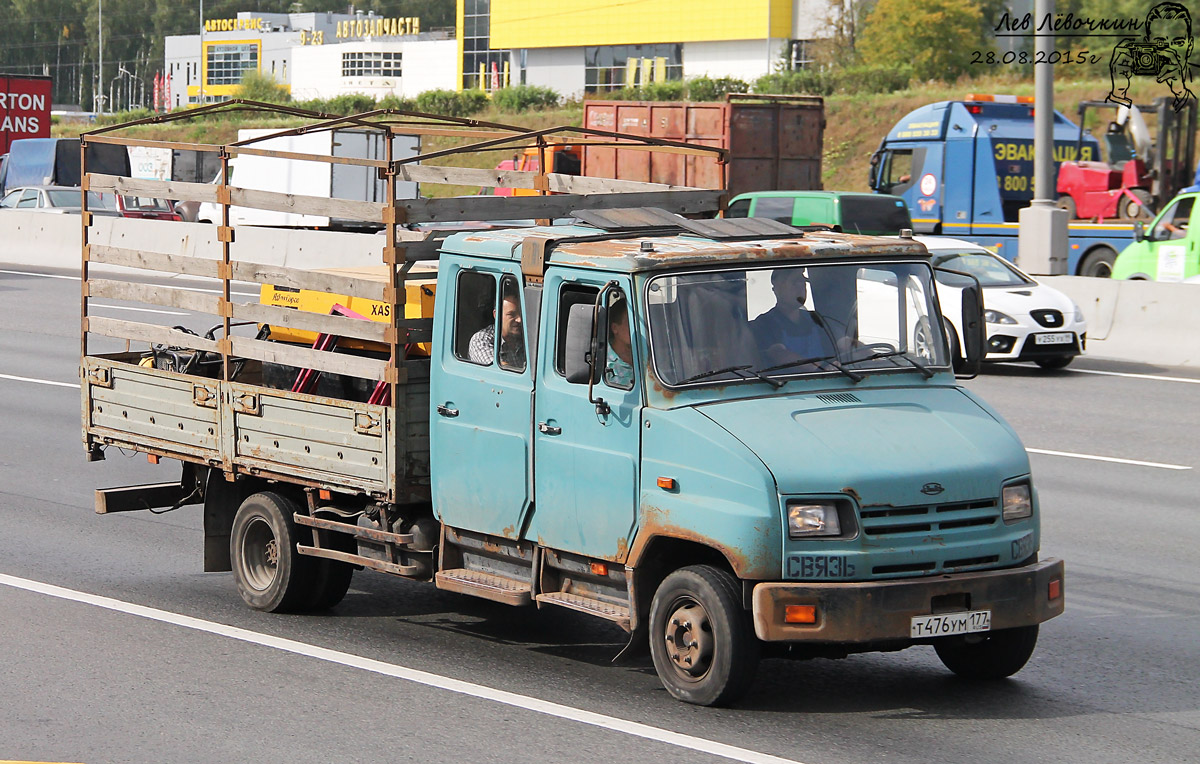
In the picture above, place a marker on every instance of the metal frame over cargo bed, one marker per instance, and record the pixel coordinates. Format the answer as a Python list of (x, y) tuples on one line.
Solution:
[(235, 423)]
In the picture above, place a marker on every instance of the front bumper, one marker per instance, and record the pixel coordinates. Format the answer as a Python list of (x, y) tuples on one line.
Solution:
[(881, 611)]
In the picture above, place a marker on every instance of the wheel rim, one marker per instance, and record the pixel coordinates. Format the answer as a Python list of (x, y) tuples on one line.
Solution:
[(260, 554), (922, 345), (689, 639)]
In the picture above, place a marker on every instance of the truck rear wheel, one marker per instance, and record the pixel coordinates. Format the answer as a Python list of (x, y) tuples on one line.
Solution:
[(270, 574), (992, 655), (701, 639), (1098, 262)]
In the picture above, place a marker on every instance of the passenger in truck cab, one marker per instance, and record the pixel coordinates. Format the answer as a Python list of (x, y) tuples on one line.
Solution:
[(789, 331), (618, 370), (512, 336)]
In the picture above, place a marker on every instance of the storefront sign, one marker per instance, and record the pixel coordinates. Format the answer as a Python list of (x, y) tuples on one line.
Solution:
[(378, 27), (232, 25)]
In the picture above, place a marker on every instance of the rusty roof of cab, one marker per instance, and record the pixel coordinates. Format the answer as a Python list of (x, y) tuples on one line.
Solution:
[(628, 252)]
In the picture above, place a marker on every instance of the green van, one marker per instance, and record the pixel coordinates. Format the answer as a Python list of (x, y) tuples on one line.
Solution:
[(872, 214), (1164, 249)]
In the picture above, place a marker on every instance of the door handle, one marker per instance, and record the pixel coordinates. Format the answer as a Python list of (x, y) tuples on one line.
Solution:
[(546, 429), (447, 411)]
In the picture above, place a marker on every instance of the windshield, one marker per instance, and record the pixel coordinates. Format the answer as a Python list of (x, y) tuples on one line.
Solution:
[(772, 324), (989, 269), (145, 204), (883, 215), (70, 198)]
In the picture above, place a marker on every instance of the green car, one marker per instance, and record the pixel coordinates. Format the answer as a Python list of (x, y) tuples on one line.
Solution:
[(870, 214), (1165, 250)]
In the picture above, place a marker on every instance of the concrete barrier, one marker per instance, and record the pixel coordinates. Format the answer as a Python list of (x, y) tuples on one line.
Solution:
[(53, 241), (1140, 321)]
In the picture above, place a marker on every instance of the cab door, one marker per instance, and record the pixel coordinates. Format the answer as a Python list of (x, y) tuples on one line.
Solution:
[(1172, 244), (481, 394), (585, 461)]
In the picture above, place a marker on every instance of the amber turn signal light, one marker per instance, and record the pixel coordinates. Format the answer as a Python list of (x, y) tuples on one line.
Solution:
[(152, 458), (599, 569), (666, 483), (1054, 590), (324, 495), (800, 614)]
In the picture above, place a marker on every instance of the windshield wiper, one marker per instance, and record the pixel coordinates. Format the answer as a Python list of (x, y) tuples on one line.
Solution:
[(828, 360), (742, 370), (893, 355)]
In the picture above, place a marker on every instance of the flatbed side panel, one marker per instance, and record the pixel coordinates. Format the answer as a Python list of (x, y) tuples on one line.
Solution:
[(412, 425), (326, 440), (152, 408)]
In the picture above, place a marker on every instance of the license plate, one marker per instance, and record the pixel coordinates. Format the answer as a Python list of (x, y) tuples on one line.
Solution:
[(949, 624), (1061, 338)]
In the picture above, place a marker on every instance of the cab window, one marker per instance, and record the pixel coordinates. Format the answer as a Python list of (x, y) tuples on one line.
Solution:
[(618, 366), (775, 207), (739, 209), (1173, 223), (569, 295), (474, 318)]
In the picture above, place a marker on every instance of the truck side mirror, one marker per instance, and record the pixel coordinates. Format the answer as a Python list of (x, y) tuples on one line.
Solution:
[(577, 358), (874, 173), (1139, 231), (973, 330)]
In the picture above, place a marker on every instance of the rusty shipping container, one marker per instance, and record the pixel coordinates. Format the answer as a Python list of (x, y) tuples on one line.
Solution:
[(774, 142)]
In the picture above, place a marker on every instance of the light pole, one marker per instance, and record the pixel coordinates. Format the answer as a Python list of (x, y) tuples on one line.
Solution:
[(100, 65), (203, 73)]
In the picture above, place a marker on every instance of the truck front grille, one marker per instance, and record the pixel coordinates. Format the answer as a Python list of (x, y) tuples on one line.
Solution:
[(907, 532), (935, 518)]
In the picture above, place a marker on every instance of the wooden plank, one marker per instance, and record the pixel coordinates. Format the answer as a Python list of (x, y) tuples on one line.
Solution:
[(585, 184), (235, 150), (307, 358), (155, 295), (319, 281), (161, 189), (151, 144), (466, 176), (371, 212), (291, 318), (512, 207), (153, 261), (155, 335)]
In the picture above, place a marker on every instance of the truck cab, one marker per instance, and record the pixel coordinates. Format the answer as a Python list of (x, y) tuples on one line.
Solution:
[(680, 465)]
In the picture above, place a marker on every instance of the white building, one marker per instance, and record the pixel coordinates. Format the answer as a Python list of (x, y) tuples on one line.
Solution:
[(338, 53), (402, 67)]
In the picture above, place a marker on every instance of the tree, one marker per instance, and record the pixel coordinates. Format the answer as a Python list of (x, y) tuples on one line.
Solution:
[(936, 37)]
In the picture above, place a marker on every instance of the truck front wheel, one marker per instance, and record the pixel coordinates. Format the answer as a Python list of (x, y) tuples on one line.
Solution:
[(701, 639), (993, 655), (270, 574), (1098, 262)]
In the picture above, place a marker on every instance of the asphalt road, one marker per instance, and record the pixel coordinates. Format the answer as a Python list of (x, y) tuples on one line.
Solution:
[(117, 647)]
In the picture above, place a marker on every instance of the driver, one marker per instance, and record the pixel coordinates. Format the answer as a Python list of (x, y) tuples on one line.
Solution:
[(789, 331)]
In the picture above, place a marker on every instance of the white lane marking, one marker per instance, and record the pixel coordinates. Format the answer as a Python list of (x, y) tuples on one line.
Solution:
[(416, 676), (39, 381), (140, 310), (186, 289), (1095, 458), (42, 275), (1155, 377)]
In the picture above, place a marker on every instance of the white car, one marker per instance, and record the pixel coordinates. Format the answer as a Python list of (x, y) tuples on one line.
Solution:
[(1025, 320)]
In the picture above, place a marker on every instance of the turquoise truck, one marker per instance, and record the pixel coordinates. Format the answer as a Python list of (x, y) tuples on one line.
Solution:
[(732, 438)]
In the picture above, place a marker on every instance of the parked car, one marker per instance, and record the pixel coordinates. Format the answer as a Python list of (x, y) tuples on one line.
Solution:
[(147, 208), (59, 199), (1025, 320), (872, 214)]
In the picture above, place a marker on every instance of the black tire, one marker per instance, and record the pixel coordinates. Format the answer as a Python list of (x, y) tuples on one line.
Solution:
[(1058, 362), (1098, 262), (701, 639), (1139, 210), (956, 360), (331, 579), (270, 574), (922, 344), (1066, 202), (992, 655)]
